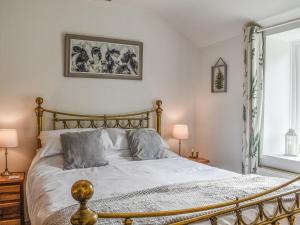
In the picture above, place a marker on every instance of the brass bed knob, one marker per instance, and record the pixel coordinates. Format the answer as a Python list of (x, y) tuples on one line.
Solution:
[(82, 191), (39, 100)]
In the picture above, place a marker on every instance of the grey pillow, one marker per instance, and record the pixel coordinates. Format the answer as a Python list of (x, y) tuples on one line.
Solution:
[(83, 149), (146, 144)]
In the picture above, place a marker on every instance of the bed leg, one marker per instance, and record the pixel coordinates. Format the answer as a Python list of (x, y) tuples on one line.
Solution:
[(82, 191)]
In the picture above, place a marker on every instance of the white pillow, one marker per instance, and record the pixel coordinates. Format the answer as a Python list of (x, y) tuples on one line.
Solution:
[(115, 155), (51, 144), (118, 138)]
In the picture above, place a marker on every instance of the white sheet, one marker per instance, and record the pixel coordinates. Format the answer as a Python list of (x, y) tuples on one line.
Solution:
[(48, 186)]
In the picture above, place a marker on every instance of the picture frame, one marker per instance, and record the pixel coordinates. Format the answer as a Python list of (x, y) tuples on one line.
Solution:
[(99, 57), (219, 77)]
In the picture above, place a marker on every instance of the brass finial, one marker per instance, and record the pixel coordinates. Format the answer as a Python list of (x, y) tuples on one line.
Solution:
[(158, 103), (39, 100), (39, 114), (158, 115), (82, 191)]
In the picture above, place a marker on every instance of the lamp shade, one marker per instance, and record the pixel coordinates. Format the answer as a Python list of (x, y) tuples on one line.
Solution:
[(181, 132), (8, 138)]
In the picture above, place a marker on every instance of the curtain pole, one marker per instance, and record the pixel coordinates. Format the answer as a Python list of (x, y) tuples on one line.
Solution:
[(279, 25)]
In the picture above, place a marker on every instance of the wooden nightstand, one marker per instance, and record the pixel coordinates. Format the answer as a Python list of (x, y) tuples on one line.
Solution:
[(12, 200), (199, 160)]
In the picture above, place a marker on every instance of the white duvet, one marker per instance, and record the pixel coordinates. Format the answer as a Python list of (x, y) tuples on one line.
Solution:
[(48, 185)]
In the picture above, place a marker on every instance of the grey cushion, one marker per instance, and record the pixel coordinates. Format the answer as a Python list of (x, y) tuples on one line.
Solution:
[(83, 149), (146, 144)]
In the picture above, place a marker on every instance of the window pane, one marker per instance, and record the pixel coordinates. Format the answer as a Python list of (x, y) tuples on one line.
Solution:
[(277, 94)]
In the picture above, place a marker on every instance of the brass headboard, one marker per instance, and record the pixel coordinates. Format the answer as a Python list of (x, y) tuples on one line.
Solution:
[(124, 121)]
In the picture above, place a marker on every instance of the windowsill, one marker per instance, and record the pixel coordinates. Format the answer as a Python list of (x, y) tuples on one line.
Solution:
[(281, 162), (272, 172)]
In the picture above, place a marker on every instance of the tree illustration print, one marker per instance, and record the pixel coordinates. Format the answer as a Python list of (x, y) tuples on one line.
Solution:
[(219, 83)]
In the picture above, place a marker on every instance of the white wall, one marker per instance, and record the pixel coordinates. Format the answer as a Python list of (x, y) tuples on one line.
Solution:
[(31, 64), (219, 115)]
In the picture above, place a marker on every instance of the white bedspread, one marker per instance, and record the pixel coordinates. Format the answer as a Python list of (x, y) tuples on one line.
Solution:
[(48, 185)]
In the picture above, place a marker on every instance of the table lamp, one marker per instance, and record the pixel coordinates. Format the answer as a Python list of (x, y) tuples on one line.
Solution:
[(8, 139), (180, 132)]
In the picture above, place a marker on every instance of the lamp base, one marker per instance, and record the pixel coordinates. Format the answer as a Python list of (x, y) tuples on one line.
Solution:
[(6, 173), (179, 147)]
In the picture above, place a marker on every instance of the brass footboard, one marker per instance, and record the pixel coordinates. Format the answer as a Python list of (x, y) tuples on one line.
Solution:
[(83, 190)]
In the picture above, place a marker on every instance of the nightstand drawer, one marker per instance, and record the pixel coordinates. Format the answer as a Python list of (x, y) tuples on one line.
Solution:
[(9, 211), (10, 189), (12, 200), (4, 197), (9, 193), (10, 222)]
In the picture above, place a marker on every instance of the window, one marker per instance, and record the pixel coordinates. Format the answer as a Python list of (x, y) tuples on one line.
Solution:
[(282, 98)]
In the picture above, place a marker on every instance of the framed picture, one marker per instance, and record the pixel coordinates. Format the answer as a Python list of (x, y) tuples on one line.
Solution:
[(219, 77), (97, 57)]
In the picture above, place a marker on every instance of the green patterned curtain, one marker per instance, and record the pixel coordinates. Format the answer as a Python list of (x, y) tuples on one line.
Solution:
[(253, 91)]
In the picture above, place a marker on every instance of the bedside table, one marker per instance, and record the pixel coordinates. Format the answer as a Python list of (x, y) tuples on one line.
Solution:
[(199, 160), (12, 200)]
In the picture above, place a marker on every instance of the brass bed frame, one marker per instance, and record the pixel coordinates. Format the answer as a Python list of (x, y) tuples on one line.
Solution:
[(82, 191), (71, 120)]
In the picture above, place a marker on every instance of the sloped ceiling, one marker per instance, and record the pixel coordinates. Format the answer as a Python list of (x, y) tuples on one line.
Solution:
[(205, 22)]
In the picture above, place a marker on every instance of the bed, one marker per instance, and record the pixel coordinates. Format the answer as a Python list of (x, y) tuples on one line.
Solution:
[(172, 190)]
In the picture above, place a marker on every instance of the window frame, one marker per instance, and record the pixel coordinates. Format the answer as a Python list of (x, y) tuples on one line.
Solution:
[(281, 162)]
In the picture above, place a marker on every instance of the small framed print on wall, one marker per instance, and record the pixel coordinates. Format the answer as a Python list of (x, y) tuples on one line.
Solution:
[(98, 57), (219, 77)]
